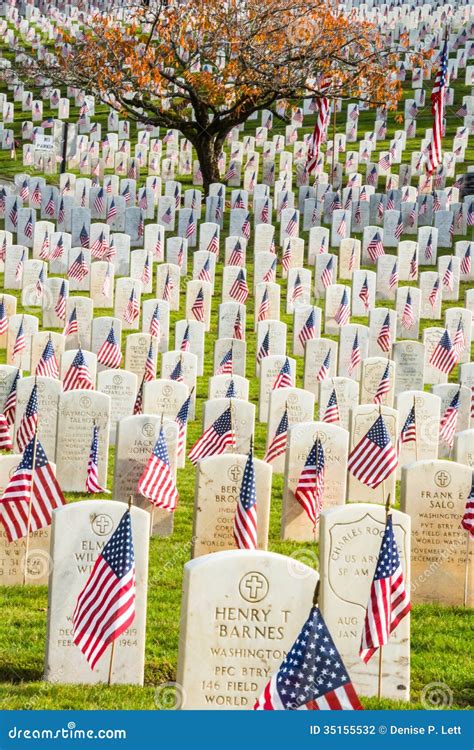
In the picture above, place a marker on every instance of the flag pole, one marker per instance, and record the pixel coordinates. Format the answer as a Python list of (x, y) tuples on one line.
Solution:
[(30, 503), (152, 515), (379, 681), (318, 445)]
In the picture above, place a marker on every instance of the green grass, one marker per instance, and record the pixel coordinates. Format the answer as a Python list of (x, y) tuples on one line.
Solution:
[(439, 635)]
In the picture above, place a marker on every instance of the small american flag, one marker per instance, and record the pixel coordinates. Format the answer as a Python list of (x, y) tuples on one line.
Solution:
[(204, 273), (216, 439), (270, 275), (264, 307), (408, 433), (20, 341), (100, 246), (19, 267), (399, 228), (31, 495), (213, 246), (374, 458), (3, 317), (443, 357), (111, 212), (278, 445), (310, 487), (29, 421), (84, 237), (99, 202), (324, 369), (78, 375), (283, 379), (355, 358), (467, 521), (447, 428), (448, 277), (58, 250), (341, 229), (78, 269), (71, 326), (342, 314), (328, 273), (308, 331), (408, 317), (182, 420), (245, 231), (331, 414), (375, 247), (364, 293), (226, 364), (138, 405), (292, 226), (168, 287), (302, 682), (9, 409), (92, 479), (413, 273), (132, 309), (239, 289), (389, 599), (109, 353), (155, 323), (466, 261), (105, 607), (28, 229), (197, 308), (157, 482), (48, 364), (245, 519), (150, 364), (185, 345), (384, 386), (264, 349), (384, 339), (177, 372), (238, 331)]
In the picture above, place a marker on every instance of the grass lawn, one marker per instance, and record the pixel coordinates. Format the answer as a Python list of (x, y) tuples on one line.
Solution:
[(439, 635)]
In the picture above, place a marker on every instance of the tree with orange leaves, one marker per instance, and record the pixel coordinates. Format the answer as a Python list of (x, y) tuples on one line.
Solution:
[(205, 66)]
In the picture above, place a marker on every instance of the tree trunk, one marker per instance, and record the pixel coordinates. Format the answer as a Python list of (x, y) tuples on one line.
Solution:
[(208, 148)]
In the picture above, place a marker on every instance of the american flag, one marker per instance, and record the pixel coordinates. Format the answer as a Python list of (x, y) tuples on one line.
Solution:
[(283, 379), (341, 229), (448, 277), (45, 246), (434, 294), (467, 521), (413, 273), (470, 215), (390, 201), (24, 191), (237, 257), (3, 317), (226, 364), (238, 332), (245, 519), (459, 341), (204, 273), (449, 420), (20, 341), (132, 309), (92, 478), (58, 250), (312, 676), (264, 307), (324, 369), (328, 272), (61, 212), (167, 217), (239, 289), (78, 269), (213, 246), (269, 275), (297, 289), (374, 458), (444, 356), (71, 326), (309, 490), (408, 433), (99, 203), (245, 231), (389, 598), (292, 226), (399, 228), (331, 414), (364, 293), (109, 353), (9, 408), (78, 375), (111, 212), (19, 267), (355, 358), (384, 386), (322, 110), (29, 421), (278, 444), (437, 109), (13, 214), (48, 364), (380, 208), (190, 227), (384, 339), (466, 261), (264, 349), (28, 229), (197, 308), (342, 314), (182, 420), (177, 372), (157, 482), (308, 331), (105, 607), (408, 317), (138, 405), (150, 364), (31, 495), (84, 237), (100, 246), (6, 442), (155, 323), (216, 439), (185, 345), (287, 255), (375, 247)]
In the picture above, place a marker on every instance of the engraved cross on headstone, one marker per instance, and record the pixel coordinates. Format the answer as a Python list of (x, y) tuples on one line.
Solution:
[(254, 584)]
